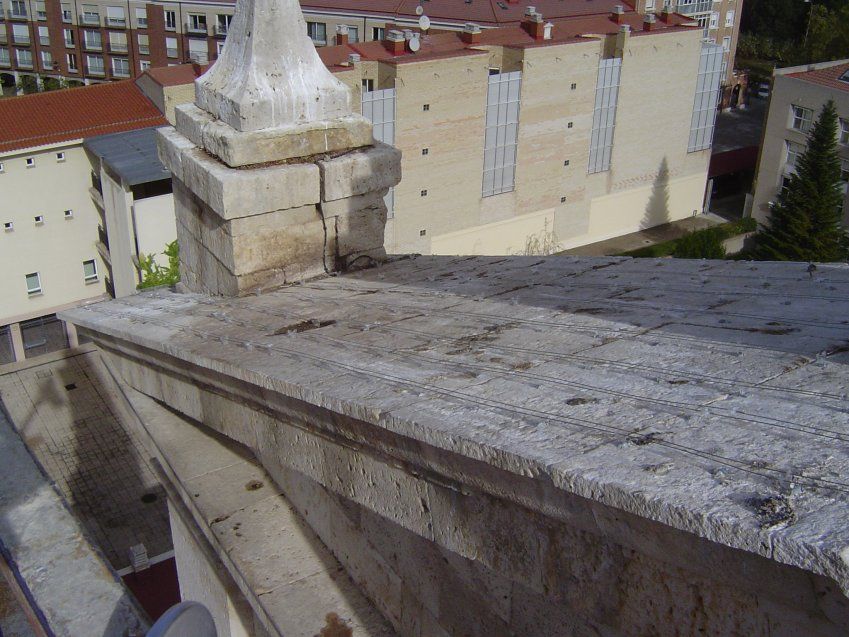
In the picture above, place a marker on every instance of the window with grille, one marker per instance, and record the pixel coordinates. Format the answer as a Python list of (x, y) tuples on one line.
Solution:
[(604, 114), (707, 98), (502, 132), (33, 283)]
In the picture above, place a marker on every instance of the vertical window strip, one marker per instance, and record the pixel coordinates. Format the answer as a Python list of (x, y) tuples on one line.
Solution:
[(379, 108), (502, 133), (707, 98), (604, 114)]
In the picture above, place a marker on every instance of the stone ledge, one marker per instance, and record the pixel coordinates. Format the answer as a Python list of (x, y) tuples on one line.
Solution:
[(233, 193), (238, 148), (359, 172)]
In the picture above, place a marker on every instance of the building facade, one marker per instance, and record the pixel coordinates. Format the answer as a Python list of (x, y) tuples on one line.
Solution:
[(97, 40), (51, 227), (798, 95)]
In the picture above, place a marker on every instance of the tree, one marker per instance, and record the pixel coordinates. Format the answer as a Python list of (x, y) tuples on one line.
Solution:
[(154, 274), (805, 222)]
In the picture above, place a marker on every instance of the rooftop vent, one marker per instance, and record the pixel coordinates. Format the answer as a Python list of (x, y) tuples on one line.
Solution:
[(649, 22), (341, 34), (618, 15), (546, 30), (530, 10), (395, 42), (471, 33)]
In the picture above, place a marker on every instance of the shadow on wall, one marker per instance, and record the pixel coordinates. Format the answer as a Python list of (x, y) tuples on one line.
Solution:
[(657, 208)]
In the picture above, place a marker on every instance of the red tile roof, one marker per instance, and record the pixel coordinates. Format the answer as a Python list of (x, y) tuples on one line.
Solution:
[(825, 77), (57, 116), (177, 74)]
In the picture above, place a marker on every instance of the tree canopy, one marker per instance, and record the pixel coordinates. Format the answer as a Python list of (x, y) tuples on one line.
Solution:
[(805, 222)]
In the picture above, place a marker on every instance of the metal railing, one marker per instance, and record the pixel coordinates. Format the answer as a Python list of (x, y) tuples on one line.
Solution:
[(93, 46), (117, 47), (691, 7), (196, 29), (17, 38), (90, 18)]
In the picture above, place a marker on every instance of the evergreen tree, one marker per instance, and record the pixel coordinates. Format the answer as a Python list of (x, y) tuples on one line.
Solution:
[(805, 221)]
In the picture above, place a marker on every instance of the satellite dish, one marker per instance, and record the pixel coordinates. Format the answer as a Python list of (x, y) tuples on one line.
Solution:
[(419, 10), (414, 45), (424, 23)]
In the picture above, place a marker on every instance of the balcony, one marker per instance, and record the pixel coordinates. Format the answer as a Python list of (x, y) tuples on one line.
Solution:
[(92, 46), (17, 13), (91, 18), (117, 47), (200, 58), (116, 23), (196, 28), (96, 70), (692, 7)]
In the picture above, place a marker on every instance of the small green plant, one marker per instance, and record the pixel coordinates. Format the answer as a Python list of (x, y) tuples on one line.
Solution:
[(706, 244), (154, 274)]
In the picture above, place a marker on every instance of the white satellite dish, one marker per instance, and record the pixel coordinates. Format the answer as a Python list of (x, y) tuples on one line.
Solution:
[(414, 44), (419, 10), (424, 23)]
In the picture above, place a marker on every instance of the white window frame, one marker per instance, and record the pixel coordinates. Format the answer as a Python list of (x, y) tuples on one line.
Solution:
[(604, 115), (843, 131), (729, 18), (38, 220), (792, 152), (501, 138), (726, 45), (38, 289), (8, 226), (314, 29), (714, 20), (90, 278), (801, 118), (708, 89), (30, 162), (60, 156), (69, 214), (170, 20)]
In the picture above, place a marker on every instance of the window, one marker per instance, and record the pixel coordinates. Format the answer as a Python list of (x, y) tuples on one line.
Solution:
[(565, 162), (19, 8), (91, 14), (90, 271), (20, 34), (379, 108), (801, 118), (69, 37), (5, 60), (569, 125), (317, 32), (8, 226), (368, 86), (30, 162), (729, 18), (425, 151), (377, 33), (198, 51), (118, 41), (604, 115), (424, 193), (843, 133), (574, 86), (707, 97), (171, 47), (92, 40), (144, 43), (501, 134), (39, 220), (67, 15), (562, 199), (72, 62), (353, 34), (222, 23), (714, 20), (426, 107), (422, 233), (95, 64), (726, 44), (46, 60), (115, 17), (121, 67), (69, 214), (60, 156), (197, 23), (141, 17), (144, 65), (2, 168), (794, 152), (171, 20), (219, 47), (43, 36), (649, 5), (33, 283)]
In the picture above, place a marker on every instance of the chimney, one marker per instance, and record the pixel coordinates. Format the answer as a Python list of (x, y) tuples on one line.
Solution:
[(649, 22), (666, 14), (341, 34), (622, 40), (395, 42), (546, 32), (471, 33), (618, 15), (533, 24)]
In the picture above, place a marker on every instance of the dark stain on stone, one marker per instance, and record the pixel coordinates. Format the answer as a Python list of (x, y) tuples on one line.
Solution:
[(640, 440), (303, 326), (70, 386), (773, 511), (335, 627), (220, 518), (581, 401), (149, 498), (253, 485), (678, 381), (521, 366)]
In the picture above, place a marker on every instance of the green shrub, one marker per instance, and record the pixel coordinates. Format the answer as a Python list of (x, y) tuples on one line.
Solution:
[(154, 274), (704, 244)]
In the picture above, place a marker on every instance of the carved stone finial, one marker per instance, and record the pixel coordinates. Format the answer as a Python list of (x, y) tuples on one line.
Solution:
[(269, 74)]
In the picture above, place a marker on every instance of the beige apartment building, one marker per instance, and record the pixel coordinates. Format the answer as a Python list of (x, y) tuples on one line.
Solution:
[(798, 95), (97, 40), (52, 233)]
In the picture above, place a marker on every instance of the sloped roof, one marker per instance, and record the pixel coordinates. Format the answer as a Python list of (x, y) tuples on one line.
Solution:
[(57, 116), (826, 76)]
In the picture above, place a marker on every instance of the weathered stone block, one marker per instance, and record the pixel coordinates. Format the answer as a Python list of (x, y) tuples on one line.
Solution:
[(241, 148), (373, 169)]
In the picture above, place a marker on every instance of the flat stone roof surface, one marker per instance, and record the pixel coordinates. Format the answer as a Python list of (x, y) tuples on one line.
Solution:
[(710, 396)]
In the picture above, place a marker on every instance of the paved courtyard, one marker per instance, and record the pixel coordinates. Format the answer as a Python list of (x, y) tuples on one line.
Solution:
[(68, 418)]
